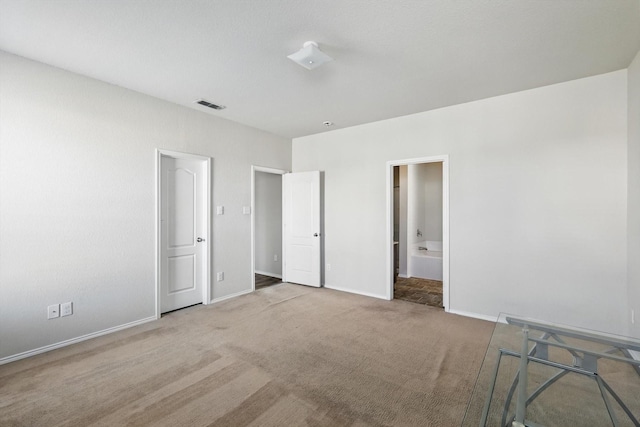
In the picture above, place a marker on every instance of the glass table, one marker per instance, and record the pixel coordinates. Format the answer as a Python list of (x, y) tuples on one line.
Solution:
[(538, 373)]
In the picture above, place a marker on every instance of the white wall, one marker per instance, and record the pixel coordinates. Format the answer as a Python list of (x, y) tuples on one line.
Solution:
[(403, 269), (415, 206), (425, 201), (268, 220), (633, 215), (537, 200), (432, 196), (77, 167)]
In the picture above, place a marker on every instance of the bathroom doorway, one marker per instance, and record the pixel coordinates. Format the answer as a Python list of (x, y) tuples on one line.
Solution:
[(418, 231)]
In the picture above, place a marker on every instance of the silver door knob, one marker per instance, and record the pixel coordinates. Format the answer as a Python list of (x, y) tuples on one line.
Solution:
[(315, 234), (199, 239)]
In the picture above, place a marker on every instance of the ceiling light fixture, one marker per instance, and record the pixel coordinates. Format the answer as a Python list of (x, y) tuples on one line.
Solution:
[(310, 56)]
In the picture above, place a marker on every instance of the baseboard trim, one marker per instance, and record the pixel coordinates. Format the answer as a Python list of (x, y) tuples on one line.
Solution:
[(492, 319), (226, 297), (76, 340), (265, 273), (404, 276), (352, 291)]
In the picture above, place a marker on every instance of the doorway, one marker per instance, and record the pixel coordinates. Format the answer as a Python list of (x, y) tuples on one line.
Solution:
[(300, 228), (183, 230), (266, 226), (418, 230)]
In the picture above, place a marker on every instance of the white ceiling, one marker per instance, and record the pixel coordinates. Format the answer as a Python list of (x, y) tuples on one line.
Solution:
[(391, 57)]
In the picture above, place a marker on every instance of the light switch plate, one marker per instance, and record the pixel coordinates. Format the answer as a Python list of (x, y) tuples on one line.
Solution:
[(66, 309)]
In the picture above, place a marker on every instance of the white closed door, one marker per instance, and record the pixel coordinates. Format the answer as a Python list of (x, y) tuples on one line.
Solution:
[(183, 232), (301, 200)]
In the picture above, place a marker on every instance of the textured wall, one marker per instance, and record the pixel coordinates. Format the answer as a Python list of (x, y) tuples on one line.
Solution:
[(538, 188), (77, 199)]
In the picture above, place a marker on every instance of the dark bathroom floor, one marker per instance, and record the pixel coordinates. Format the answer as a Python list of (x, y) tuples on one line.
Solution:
[(264, 281), (421, 291)]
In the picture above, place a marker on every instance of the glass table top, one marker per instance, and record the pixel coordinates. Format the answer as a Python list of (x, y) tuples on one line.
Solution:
[(568, 377)]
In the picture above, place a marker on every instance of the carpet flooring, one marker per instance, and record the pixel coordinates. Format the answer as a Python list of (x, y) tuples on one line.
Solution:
[(421, 291), (285, 355)]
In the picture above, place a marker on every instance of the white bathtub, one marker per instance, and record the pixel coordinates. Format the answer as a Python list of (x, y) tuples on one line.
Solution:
[(426, 264)]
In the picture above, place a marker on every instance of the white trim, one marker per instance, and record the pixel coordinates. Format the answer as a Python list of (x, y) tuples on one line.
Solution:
[(266, 273), (444, 159), (206, 285), (224, 298), (492, 319), (76, 340), (352, 291), (634, 354), (404, 276), (255, 169)]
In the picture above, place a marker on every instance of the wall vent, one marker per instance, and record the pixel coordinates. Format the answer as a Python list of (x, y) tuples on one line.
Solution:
[(210, 104)]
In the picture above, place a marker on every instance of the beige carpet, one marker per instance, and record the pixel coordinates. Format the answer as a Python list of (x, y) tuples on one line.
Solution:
[(286, 355)]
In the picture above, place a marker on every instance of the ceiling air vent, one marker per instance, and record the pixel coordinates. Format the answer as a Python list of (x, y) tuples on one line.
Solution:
[(210, 104)]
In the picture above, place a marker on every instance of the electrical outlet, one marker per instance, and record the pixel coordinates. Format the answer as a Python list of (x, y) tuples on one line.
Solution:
[(275, 258), (221, 276), (53, 311), (246, 210), (219, 210), (328, 267), (66, 309)]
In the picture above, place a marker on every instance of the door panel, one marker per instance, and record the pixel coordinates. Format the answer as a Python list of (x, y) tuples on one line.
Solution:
[(183, 220), (301, 193), (181, 206), (182, 273)]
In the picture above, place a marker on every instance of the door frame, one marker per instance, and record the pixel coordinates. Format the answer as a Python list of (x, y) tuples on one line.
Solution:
[(444, 159), (206, 193), (274, 171)]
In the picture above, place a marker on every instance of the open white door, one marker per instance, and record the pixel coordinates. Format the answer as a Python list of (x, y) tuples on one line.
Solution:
[(301, 254), (184, 232)]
